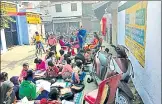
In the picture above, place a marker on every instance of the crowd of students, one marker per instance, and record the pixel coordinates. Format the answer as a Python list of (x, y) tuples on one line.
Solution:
[(24, 85), (53, 66)]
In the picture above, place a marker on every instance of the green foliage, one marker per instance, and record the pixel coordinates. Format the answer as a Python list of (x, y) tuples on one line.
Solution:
[(5, 19)]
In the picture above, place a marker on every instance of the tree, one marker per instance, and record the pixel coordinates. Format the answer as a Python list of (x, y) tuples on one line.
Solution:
[(5, 19)]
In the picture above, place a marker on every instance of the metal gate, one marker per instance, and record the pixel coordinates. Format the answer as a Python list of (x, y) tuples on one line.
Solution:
[(11, 34), (66, 27)]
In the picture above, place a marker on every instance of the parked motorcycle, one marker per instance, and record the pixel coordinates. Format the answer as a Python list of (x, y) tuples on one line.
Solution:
[(105, 66)]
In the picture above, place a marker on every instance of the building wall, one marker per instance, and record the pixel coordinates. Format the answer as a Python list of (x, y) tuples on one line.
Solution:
[(114, 26), (147, 80), (87, 24), (32, 28), (96, 26), (66, 9)]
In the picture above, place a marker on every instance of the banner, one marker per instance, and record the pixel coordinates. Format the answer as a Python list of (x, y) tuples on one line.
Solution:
[(8, 7), (33, 18), (103, 26), (135, 30)]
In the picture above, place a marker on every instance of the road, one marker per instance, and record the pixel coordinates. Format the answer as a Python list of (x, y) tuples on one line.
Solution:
[(12, 60)]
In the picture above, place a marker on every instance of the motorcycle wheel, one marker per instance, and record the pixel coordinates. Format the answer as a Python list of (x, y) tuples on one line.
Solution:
[(123, 98)]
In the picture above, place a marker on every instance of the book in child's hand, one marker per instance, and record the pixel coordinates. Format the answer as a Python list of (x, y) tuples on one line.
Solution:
[(65, 90)]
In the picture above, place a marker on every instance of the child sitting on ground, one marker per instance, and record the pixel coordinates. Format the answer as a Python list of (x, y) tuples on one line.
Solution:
[(87, 56), (15, 81), (50, 57), (67, 70), (52, 70), (40, 64), (62, 56), (24, 71), (78, 74)]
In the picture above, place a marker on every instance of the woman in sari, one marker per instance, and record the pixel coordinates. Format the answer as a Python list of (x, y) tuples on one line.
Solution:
[(7, 94)]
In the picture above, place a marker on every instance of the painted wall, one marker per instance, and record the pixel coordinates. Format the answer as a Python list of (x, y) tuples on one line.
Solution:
[(114, 26), (66, 9), (32, 28), (3, 42), (22, 29), (147, 80)]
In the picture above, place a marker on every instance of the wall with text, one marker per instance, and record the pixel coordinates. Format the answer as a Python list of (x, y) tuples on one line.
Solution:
[(144, 41)]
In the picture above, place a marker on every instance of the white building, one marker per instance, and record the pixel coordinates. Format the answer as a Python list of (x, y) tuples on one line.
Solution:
[(63, 17), (32, 8)]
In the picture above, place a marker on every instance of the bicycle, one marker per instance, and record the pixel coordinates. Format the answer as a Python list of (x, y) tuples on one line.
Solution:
[(38, 50)]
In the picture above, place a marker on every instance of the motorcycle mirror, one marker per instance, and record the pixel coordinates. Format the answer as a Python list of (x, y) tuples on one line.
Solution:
[(113, 46), (107, 50)]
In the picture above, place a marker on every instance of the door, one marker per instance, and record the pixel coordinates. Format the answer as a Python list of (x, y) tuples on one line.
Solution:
[(11, 34)]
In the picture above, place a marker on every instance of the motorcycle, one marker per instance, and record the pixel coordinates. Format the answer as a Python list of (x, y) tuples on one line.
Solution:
[(105, 65)]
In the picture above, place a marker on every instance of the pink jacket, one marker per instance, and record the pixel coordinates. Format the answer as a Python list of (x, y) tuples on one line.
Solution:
[(67, 68), (41, 66), (23, 74), (52, 41), (62, 43)]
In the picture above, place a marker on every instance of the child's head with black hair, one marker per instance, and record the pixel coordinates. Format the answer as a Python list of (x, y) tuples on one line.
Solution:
[(30, 74), (3, 76), (50, 65), (79, 63), (66, 56), (61, 52), (68, 60), (69, 53), (26, 66), (54, 94), (37, 61), (88, 51), (50, 54)]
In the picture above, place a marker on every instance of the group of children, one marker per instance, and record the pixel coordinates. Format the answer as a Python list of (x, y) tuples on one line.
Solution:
[(25, 84), (68, 67)]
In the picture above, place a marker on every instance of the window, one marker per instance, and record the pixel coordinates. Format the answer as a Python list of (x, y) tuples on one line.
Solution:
[(58, 7), (46, 12), (73, 6)]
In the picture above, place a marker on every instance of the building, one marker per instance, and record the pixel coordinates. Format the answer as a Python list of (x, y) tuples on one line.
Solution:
[(137, 25), (64, 17), (21, 30), (33, 20), (9, 36)]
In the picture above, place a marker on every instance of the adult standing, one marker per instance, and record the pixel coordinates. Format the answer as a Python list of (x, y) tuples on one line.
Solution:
[(81, 37)]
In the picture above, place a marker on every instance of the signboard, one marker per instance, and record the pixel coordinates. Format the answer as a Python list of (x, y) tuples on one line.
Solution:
[(8, 7), (135, 30), (33, 18)]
